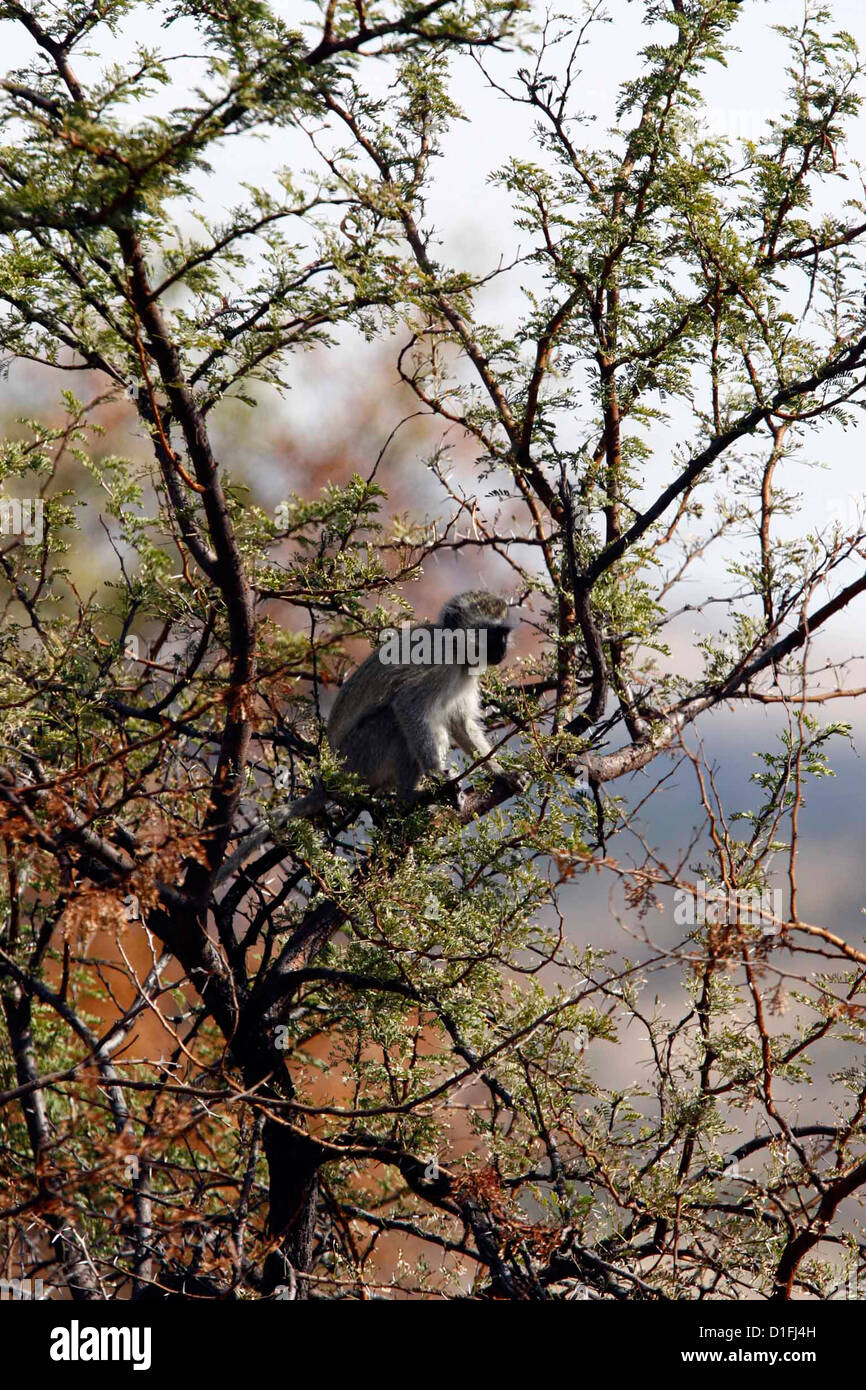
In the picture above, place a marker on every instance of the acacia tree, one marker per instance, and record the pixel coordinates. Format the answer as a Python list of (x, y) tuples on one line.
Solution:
[(331, 1004)]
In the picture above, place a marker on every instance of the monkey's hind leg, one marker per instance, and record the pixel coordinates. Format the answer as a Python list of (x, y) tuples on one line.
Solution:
[(377, 752)]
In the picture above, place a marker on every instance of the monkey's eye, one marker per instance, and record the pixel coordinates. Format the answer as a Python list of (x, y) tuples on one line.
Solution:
[(497, 644)]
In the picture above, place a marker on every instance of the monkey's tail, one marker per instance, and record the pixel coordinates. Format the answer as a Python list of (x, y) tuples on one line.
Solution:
[(302, 809)]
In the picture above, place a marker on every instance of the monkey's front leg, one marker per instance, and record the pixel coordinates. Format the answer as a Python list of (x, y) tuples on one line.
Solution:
[(426, 741), (472, 740)]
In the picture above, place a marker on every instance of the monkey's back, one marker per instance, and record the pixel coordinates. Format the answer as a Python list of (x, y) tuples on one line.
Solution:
[(369, 689)]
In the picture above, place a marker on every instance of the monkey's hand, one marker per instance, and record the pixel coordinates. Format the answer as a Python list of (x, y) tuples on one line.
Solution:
[(450, 791), (442, 789), (514, 782)]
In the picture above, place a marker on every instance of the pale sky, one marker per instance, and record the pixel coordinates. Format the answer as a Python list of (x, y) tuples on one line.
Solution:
[(477, 229), (474, 217)]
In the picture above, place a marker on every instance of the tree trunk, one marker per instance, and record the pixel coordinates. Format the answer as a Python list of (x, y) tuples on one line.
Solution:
[(293, 1164), (69, 1248)]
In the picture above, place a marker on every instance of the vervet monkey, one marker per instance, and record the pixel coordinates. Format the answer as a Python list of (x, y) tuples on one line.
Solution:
[(394, 720), (397, 715)]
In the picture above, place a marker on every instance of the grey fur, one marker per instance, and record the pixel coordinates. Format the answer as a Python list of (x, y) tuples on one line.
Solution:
[(393, 725)]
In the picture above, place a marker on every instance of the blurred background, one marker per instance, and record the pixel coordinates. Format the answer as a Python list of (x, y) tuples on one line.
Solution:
[(343, 402)]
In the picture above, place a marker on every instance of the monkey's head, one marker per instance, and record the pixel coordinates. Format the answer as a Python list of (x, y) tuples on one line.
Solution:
[(479, 610)]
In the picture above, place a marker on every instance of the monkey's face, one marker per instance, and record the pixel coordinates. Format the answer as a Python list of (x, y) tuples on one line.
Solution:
[(497, 644)]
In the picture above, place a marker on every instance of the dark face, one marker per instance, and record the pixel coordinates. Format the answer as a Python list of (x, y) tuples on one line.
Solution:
[(497, 644)]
